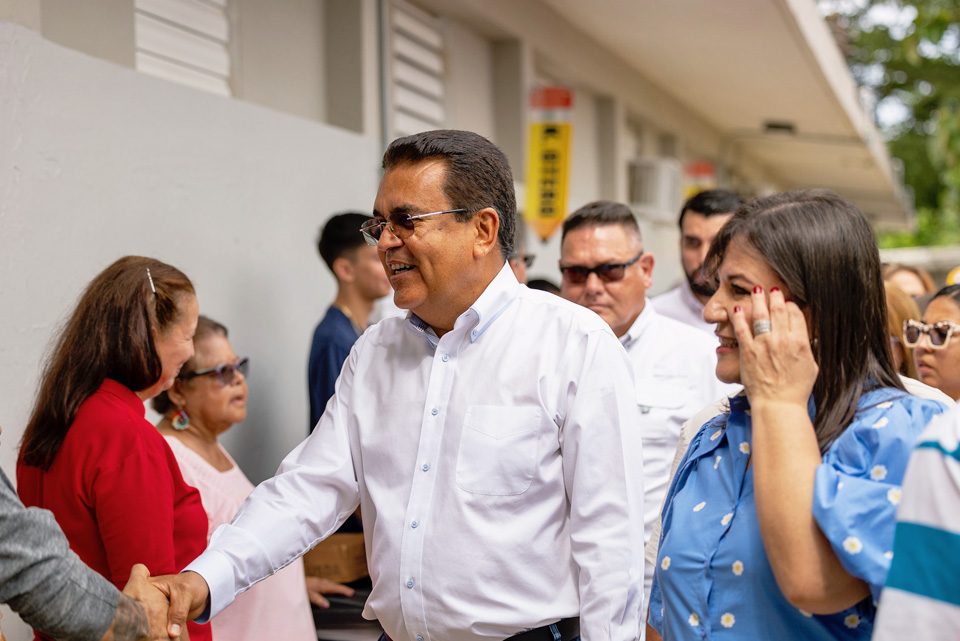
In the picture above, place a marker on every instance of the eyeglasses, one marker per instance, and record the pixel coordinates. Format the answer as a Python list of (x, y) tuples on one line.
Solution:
[(400, 224), (609, 273), (526, 258), (939, 333), (226, 372)]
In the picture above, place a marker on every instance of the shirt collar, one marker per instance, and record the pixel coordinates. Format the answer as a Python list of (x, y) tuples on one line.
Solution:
[(494, 300), (643, 321)]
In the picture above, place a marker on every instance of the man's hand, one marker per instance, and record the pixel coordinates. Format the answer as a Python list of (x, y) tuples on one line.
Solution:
[(141, 611), (317, 587), (189, 596)]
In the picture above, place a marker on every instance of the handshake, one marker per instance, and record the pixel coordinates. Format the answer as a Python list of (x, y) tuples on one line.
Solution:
[(157, 608)]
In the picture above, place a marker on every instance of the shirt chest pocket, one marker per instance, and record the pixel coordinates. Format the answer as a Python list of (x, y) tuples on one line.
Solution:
[(661, 402), (498, 449)]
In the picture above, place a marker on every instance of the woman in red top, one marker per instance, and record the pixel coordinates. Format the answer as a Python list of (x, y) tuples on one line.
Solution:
[(89, 455)]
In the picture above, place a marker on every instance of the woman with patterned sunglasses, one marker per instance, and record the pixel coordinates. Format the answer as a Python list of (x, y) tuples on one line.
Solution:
[(935, 343), (207, 399)]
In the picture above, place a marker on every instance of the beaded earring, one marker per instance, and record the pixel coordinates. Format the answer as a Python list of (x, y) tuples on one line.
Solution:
[(180, 421)]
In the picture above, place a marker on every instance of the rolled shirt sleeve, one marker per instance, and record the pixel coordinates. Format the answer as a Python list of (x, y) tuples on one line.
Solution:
[(857, 487)]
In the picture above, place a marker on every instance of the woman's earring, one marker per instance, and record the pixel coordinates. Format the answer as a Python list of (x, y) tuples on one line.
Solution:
[(180, 421)]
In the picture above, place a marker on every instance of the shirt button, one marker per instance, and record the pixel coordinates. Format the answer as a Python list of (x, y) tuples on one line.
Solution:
[(415, 524), (474, 333), (409, 583), (434, 411), (419, 637), (444, 358), (426, 466)]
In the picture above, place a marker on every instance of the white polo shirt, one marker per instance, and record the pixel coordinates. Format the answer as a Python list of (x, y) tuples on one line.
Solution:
[(675, 371)]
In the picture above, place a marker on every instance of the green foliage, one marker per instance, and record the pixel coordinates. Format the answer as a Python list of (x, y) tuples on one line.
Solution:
[(917, 63)]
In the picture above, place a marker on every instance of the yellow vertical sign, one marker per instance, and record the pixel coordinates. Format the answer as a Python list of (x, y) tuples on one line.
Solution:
[(548, 159)]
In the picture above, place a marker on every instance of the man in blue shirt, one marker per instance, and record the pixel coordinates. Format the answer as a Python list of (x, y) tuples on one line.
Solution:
[(360, 282)]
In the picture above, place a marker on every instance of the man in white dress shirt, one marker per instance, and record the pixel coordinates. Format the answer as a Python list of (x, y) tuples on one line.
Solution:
[(701, 217), (605, 268), (489, 437)]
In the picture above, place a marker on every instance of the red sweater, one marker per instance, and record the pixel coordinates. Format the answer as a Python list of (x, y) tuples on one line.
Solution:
[(117, 492)]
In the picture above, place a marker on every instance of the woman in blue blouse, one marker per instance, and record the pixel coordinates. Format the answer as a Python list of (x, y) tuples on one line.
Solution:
[(779, 522)]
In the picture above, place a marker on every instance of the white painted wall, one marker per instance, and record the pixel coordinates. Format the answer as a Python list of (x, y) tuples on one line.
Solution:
[(99, 161)]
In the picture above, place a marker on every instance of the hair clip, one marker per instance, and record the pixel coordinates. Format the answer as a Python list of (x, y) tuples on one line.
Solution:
[(150, 278)]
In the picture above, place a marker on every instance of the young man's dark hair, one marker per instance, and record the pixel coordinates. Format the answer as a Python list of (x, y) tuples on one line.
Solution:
[(339, 235), (477, 174), (711, 203)]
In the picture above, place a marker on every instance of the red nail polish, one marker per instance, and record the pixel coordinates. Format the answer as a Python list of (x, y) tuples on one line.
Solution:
[(775, 289), (758, 290), (736, 309), (788, 300)]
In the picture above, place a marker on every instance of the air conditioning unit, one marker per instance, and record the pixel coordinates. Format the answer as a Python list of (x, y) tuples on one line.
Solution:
[(656, 188)]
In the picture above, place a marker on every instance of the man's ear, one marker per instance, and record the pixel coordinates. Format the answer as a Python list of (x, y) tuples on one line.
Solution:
[(647, 261), (487, 225), (344, 269)]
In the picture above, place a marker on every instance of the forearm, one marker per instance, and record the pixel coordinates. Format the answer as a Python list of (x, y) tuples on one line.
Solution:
[(785, 458), (129, 623)]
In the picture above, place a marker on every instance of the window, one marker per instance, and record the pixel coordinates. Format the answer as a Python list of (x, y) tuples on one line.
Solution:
[(415, 68), (184, 41)]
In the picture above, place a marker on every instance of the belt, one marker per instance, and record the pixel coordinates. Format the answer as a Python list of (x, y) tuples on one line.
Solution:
[(569, 629)]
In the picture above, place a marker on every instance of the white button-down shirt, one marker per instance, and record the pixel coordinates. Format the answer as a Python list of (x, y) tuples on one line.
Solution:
[(496, 467), (675, 370), (680, 304)]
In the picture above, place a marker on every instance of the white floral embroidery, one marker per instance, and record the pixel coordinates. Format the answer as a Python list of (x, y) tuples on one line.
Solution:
[(878, 472), (893, 495), (699, 506), (888, 555), (693, 620), (716, 435), (882, 422), (726, 518), (738, 567), (665, 563), (716, 463), (851, 620), (745, 447), (809, 615), (852, 545), (727, 620), (885, 405)]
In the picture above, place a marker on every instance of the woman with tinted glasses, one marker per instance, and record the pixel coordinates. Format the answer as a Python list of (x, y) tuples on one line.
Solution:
[(89, 455), (779, 520), (900, 308), (935, 342), (208, 398)]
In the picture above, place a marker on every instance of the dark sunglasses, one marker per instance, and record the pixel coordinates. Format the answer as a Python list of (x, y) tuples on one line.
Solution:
[(224, 371), (609, 273), (939, 333), (400, 224)]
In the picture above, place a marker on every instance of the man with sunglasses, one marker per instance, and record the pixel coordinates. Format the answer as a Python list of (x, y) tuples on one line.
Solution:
[(701, 217), (490, 437), (605, 269)]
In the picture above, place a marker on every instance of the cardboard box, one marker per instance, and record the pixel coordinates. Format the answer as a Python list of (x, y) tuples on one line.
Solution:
[(339, 557)]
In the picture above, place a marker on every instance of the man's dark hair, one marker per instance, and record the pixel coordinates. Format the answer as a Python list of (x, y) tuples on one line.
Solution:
[(600, 213), (477, 174), (339, 235), (823, 247), (711, 203)]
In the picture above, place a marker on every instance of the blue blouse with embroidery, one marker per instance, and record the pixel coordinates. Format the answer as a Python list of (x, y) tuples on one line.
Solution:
[(713, 579)]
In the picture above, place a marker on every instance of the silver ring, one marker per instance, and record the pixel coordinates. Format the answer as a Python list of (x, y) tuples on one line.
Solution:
[(761, 327)]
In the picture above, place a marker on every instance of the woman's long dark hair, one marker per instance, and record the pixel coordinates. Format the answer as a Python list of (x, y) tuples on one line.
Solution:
[(109, 335), (822, 246)]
